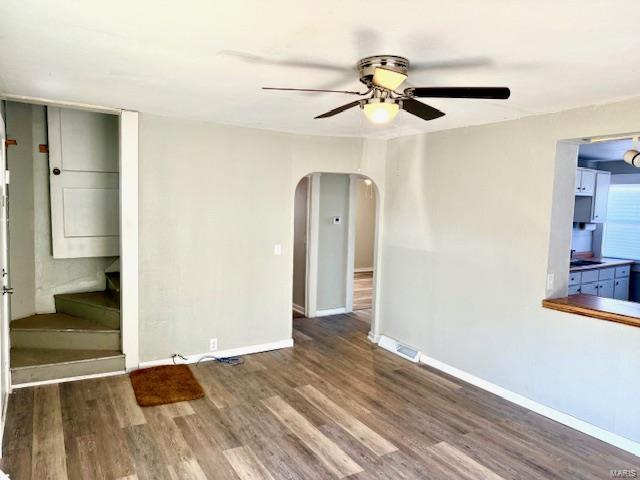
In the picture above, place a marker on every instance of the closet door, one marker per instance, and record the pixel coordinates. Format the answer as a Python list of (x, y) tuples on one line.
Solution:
[(83, 176)]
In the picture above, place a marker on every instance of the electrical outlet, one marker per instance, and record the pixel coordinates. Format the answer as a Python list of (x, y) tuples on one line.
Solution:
[(550, 281), (213, 344)]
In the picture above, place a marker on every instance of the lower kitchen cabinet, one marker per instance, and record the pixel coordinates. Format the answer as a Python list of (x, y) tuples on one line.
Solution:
[(621, 289), (606, 282)]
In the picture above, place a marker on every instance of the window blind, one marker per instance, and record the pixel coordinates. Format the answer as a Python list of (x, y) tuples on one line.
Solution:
[(622, 229)]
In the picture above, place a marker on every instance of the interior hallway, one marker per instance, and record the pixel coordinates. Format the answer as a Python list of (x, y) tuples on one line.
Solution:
[(333, 406), (363, 290)]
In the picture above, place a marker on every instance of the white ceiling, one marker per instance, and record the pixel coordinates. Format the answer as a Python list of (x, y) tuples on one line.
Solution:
[(168, 57)]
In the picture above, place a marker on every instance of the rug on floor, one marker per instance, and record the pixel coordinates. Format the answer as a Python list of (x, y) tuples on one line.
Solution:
[(165, 384)]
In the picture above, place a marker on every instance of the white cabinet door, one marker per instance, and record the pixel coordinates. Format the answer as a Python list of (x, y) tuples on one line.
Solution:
[(573, 289), (621, 289), (578, 180), (587, 182), (605, 288), (589, 288), (601, 197), (83, 175)]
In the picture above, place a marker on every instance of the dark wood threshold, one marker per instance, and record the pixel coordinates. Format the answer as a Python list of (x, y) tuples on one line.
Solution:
[(608, 309)]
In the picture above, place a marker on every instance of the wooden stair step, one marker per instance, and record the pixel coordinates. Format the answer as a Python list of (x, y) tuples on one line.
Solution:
[(38, 364), (62, 331), (96, 306)]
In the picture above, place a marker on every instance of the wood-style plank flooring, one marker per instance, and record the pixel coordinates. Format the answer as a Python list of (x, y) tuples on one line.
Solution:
[(334, 406), (362, 290)]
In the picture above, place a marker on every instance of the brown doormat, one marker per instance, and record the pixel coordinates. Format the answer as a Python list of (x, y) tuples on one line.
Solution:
[(165, 384)]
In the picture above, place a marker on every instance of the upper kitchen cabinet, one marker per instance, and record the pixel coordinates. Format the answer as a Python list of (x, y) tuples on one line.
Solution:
[(601, 197), (591, 207), (585, 182)]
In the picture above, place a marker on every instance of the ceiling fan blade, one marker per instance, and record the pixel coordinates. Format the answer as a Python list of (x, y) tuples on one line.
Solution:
[(291, 62), (471, 62), (338, 110), (419, 109), (348, 92), (498, 93)]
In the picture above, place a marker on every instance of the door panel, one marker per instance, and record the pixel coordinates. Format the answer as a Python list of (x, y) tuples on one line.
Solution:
[(621, 289), (5, 307), (84, 183)]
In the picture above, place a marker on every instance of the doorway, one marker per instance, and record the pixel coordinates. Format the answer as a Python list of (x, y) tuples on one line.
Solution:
[(334, 226), (69, 231)]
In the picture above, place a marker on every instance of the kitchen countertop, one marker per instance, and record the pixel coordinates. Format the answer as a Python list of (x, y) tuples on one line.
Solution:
[(606, 262)]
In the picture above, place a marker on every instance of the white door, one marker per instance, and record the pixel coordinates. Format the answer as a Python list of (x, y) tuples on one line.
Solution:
[(83, 175), (5, 314)]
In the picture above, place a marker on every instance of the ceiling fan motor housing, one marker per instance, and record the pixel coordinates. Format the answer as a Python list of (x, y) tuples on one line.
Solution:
[(367, 66)]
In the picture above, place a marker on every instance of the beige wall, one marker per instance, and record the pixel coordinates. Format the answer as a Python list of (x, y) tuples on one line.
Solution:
[(21, 206), (365, 225), (474, 220), (333, 241), (207, 267)]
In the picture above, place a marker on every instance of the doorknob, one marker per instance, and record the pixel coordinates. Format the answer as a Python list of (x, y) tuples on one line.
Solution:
[(56, 171), (6, 290)]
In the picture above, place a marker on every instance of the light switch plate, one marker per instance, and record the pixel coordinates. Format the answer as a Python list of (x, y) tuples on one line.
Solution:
[(277, 249), (213, 344)]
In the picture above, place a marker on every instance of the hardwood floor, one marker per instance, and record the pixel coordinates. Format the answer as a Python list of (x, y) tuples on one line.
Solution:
[(334, 406), (362, 290)]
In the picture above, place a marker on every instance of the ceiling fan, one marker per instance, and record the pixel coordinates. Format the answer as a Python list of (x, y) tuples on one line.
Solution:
[(382, 75)]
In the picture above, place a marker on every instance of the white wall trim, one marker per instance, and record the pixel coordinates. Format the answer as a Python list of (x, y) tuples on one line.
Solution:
[(560, 417), (232, 352), (363, 269), (351, 241), (313, 232), (58, 103), (373, 338), (129, 236), (297, 308), (69, 379), (330, 311)]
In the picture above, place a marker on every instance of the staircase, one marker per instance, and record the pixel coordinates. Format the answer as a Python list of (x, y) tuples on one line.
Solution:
[(81, 338)]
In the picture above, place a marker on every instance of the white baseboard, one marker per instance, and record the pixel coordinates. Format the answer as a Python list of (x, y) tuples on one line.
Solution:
[(560, 417), (373, 338), (363, 269), (232, 352), (67, 379), (298, 309), (331, 311)]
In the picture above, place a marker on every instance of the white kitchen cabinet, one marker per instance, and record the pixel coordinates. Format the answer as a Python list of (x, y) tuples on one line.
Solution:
[(621, 289), (585, 182), (573, 290), (600, 197), (589, 288), (605, 288), (609, 282), (592, 196)]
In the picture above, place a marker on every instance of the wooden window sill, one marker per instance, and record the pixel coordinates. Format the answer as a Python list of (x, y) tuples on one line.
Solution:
[(608, 309)]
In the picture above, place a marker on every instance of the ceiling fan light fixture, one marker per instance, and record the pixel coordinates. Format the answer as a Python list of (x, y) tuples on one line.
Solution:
[(380, 111), (388, 79)]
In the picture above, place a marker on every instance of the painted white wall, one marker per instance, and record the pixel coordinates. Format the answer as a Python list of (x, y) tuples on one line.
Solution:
[(300, 243), (35, 274), (475, 218), (332, 241), (21, 208), (214, 200), (365, 224)]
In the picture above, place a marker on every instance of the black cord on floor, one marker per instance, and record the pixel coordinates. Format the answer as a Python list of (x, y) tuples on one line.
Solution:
[(232, 361)]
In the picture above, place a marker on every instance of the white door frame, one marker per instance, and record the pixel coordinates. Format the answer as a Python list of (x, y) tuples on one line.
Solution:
[(128, 218), (5, 388), (313, 219), (313, 228)]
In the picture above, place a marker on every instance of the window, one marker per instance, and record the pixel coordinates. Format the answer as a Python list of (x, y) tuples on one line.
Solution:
[(622, 229)]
